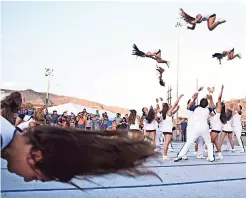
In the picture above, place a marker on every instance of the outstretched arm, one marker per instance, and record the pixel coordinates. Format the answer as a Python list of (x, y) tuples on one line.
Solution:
[(169, 113), (175, 111), (194, 97), (219, 107)]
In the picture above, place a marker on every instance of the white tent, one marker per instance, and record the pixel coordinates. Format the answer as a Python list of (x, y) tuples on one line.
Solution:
[(76, 108), (69, 107)]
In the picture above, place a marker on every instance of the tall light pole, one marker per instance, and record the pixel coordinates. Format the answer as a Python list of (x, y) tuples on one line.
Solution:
[(49, 73), (178, 25)]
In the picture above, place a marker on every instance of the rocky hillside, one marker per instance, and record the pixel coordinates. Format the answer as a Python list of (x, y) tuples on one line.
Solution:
[(37, 99)]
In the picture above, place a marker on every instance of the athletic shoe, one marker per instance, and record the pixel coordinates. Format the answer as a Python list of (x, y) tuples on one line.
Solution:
[(222, 21), (239, 56), (200, 157), (185, 157), (177, 159), (168, 64), (195, 153), (170, 150), (233, 150), (220, 157), (242, 151), (165, 158)]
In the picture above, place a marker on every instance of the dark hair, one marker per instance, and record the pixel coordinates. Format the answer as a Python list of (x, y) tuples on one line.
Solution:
[(188, 101), (151, 115), (11, 104), (132, 117), (223, 114), (240, 112), (164, 110), (203, 103), (69, 153), (228, 114)]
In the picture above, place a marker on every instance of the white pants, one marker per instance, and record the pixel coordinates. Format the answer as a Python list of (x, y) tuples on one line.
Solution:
[(238, 132), (199, 130), (200, 143)]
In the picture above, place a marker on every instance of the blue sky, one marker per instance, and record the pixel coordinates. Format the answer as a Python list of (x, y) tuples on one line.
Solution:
[(88, 44)]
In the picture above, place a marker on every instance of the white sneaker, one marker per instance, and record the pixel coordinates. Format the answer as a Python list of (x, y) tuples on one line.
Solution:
[(206, 150), (195, 153), (233, 150), (220, 157), (242, 151), (168, 63), (239, 55), (185, 157), (222, 21), (170, 150), (200, 157), (165, 158)]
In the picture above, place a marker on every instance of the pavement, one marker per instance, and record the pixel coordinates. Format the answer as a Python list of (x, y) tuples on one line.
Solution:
[(190, 178)]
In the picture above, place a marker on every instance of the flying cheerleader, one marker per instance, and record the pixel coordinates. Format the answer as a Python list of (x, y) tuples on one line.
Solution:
[(160, 71), (154, 55), (229, 53), (210, 18)]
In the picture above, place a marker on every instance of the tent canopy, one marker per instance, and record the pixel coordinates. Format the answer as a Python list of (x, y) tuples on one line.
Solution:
[(76, 108)]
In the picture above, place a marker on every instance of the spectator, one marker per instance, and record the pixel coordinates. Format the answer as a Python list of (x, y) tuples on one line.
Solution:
[(118, 118), (54, 118), (81, 121), (88, 124), (183, 125), (104, 125)]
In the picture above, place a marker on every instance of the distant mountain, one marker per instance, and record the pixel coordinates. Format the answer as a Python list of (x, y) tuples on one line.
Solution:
[(37, 99)]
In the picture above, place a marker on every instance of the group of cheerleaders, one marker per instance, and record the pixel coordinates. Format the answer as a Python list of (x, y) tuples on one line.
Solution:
[(46, 153), (224, 120)]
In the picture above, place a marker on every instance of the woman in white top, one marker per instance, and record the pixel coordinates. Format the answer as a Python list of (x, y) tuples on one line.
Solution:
[(217, 120), (134, 123), (209, 18), (237, 126), (227, 129), (166, 123), (150, 125)]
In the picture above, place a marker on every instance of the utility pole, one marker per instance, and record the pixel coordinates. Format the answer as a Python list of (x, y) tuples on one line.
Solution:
[(49, 73), (178, 25), (169, 95)]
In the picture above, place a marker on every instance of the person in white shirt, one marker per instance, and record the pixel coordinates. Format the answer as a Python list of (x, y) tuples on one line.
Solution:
[(209, 18), (200, 128), (227, 129), (217, 119), (237, 126), (166, 123), (150, 125), (134, 125)]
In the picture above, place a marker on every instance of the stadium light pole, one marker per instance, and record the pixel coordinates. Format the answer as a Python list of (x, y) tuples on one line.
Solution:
[(178, 25), (49, 73)]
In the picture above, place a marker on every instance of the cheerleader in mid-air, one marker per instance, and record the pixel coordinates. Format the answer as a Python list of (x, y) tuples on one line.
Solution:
[(212, 24), (229, 53), (154, 55), (61, 154)]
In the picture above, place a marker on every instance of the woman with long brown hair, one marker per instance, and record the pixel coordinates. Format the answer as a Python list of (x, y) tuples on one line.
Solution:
[(166, 123), (49, 153), (134, 123), (227, 129)]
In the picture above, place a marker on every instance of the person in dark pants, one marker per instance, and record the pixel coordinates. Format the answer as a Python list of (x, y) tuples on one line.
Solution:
[(183, 128)]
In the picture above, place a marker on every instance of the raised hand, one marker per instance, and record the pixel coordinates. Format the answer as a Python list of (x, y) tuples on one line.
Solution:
[(181, 96), (201, 88)]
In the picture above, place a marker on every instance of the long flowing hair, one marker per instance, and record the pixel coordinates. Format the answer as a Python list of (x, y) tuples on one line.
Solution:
[(69, 153), (228, 114), (223, 114), (151, 115), (132, 117), (164, 110)]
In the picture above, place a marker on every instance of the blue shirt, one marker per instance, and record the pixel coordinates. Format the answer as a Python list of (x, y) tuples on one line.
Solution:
[(183, 126)]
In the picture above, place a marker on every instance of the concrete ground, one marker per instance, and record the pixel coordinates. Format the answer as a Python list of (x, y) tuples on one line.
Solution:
[(192, 178)]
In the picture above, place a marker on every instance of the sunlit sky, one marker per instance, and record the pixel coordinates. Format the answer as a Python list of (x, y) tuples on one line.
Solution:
[(89, 44)]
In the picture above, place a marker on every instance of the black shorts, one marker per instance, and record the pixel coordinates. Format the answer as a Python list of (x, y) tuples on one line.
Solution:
[(213, 15), (227, 131), (167, 133), (215, 131), (88, 128), (149, 131)]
